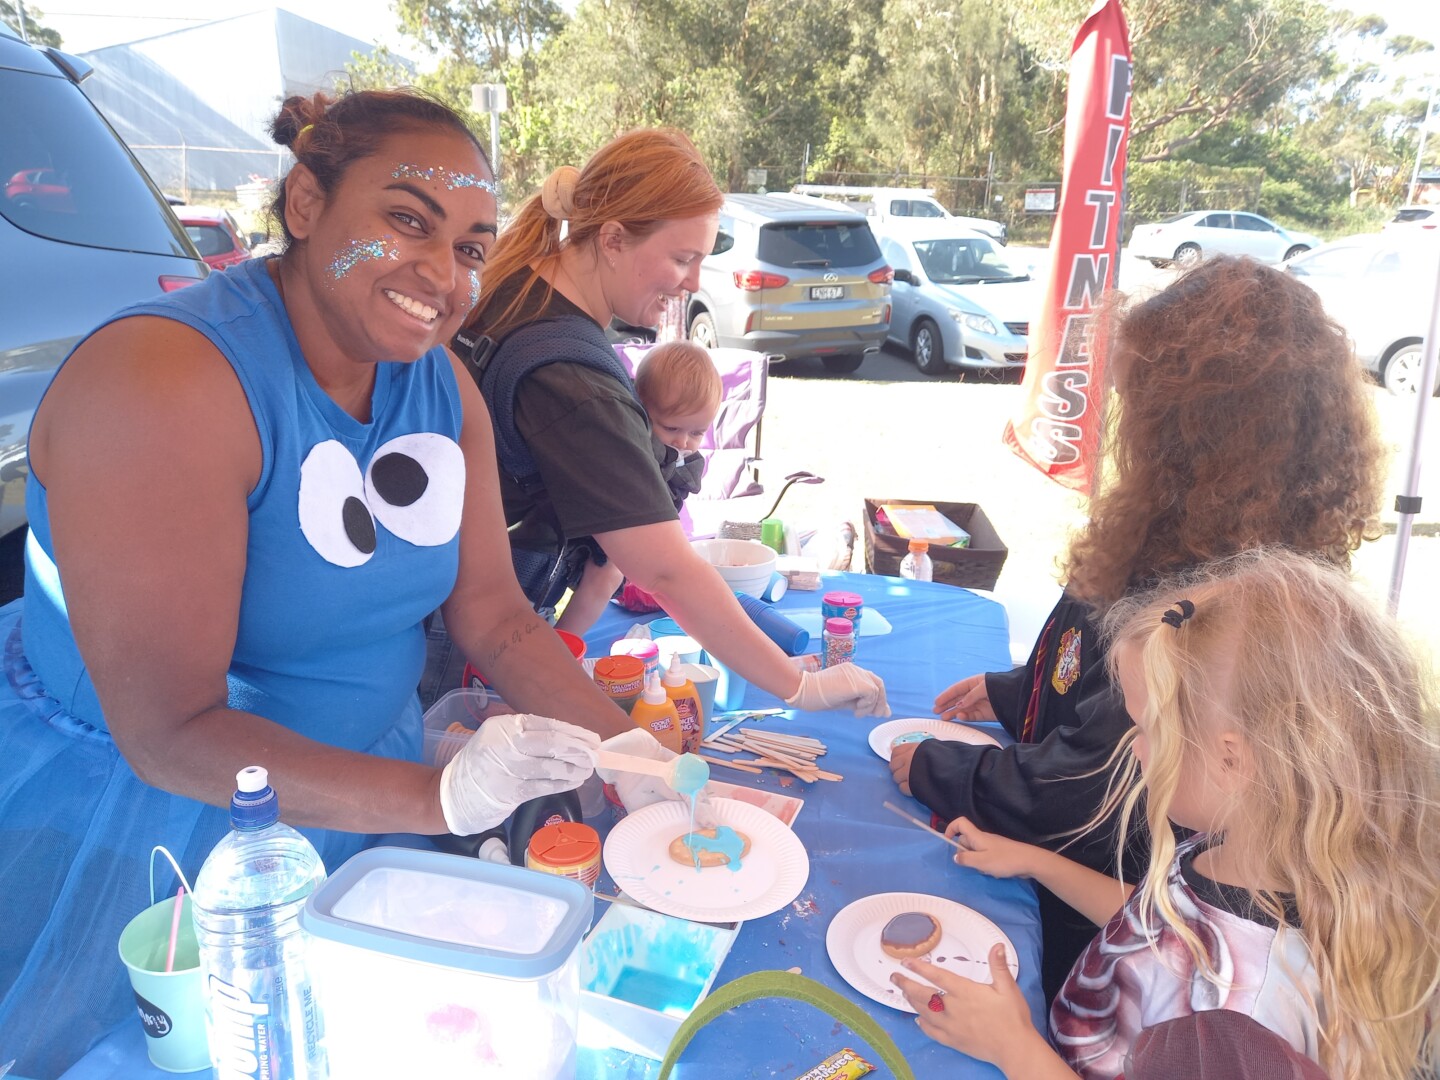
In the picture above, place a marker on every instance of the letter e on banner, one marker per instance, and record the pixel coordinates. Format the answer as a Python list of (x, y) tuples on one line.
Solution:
[(1058, 426)]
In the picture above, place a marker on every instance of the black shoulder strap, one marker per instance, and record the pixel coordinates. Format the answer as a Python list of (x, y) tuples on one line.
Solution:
[(499, 368)]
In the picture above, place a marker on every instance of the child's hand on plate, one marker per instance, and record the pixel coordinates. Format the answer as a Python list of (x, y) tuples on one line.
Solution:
[(986, 1021), (900, 755)]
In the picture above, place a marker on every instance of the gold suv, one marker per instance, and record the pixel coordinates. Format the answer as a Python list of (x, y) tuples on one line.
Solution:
[(793, 279)]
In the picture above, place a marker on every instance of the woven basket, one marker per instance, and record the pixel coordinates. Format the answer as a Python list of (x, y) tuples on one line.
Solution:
[(975, 567)]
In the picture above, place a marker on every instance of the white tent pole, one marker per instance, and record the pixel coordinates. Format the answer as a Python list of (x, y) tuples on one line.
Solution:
[(1408, 501)]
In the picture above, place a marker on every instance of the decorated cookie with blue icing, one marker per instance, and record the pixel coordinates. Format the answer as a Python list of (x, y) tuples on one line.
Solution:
[(909, 737), (720, 846)]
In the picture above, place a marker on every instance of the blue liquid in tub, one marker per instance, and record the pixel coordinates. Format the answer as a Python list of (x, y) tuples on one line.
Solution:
[(654, 990)]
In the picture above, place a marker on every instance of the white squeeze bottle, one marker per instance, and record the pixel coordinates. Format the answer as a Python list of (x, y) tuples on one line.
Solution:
[(260, 1009), (916, 564)]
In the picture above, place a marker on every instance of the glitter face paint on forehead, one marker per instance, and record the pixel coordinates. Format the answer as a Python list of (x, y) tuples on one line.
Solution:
[(356, 252), (474, 287), (449, 177)]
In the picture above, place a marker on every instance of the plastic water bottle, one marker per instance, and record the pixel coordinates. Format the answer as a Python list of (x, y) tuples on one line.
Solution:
[(916, 564), (260, 1009)]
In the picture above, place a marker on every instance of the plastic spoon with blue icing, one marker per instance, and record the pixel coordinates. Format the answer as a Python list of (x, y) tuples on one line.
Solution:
[(686, 774)]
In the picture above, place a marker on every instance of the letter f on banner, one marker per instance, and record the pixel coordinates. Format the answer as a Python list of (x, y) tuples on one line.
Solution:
[(1058, 427)]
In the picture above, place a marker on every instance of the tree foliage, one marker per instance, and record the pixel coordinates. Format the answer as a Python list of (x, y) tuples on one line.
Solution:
[(932, 89), (35, 30)]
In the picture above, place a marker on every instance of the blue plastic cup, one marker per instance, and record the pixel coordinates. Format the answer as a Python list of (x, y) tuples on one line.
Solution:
[(784, 632)]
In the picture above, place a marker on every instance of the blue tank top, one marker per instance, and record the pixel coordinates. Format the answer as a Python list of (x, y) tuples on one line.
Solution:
[(353, 534)]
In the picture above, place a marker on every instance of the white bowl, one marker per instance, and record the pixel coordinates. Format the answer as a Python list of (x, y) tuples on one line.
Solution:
[(746, 565)]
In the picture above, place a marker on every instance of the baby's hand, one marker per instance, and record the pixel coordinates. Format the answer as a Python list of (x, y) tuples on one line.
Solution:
[(989, 853)]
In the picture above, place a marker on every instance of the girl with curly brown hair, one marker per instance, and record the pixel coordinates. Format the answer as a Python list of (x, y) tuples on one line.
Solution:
[(1239, 420)]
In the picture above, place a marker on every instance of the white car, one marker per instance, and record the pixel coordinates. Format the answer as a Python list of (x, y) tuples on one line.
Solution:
[(957, 299), (1379, 287), (1185, 239), (884, 205), (1415, 217)]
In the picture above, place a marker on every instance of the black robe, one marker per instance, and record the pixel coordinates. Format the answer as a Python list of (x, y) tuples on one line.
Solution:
[(1053, 780)]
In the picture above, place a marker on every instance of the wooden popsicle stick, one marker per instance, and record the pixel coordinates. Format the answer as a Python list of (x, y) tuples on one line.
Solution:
[(808, 775), (610, 759), (794, 740), (789, 751), (784, 759), (730, 764)]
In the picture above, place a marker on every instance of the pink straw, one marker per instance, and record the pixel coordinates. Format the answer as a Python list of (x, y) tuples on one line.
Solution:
[(174, 929)]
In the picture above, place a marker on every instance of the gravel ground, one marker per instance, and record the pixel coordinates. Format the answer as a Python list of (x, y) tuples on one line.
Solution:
[(893, 433)]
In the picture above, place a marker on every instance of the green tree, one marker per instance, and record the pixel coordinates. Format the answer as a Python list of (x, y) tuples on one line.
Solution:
[(35, 30), (958, 85)]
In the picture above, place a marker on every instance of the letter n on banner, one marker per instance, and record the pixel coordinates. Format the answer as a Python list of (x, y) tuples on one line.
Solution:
[(1058, 427)]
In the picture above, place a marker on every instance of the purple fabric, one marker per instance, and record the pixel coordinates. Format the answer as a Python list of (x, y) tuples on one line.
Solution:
[(730, 444)]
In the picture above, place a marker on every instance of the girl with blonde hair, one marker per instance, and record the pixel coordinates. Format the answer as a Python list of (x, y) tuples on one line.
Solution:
[(1282, 717), (583, 477)]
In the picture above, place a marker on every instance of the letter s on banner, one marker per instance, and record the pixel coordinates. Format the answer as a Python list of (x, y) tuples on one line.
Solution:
[(1058, 426)]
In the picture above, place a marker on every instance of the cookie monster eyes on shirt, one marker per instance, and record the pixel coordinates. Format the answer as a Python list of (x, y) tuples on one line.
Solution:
[(353, 535)]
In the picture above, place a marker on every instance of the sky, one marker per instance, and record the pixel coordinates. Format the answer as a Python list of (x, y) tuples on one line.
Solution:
[(92, 24)]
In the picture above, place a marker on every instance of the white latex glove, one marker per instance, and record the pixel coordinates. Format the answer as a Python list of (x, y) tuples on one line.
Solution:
[(510, 760), (636, 790), (844, 686)]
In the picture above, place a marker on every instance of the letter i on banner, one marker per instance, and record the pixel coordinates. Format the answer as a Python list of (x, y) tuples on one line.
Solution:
[(1058, 427)]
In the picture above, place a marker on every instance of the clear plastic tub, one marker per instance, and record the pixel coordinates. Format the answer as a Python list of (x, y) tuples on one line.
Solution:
[(451, 720), (429, 964), (642, 973)]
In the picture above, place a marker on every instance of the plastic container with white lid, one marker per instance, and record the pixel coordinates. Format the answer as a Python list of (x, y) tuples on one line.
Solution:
[(434, 964)]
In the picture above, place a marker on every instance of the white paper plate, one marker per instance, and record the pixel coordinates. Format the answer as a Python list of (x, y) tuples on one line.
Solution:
[(637, 858), (882, 735), (966, 937)]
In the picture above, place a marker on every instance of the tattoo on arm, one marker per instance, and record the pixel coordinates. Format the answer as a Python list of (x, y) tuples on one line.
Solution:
[(515, 637)]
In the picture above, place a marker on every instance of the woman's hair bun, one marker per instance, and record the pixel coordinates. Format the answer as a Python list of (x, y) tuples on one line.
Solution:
[(557, 195), (297, 114)]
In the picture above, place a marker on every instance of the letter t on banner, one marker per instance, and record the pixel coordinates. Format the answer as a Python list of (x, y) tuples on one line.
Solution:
[(1058, 427)]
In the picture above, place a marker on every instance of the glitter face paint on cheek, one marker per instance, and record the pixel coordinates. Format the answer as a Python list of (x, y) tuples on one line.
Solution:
[(474, 287), (449, 177), (355, 252)]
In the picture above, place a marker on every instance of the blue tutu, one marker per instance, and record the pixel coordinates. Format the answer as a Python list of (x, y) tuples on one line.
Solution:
[(76, 830)]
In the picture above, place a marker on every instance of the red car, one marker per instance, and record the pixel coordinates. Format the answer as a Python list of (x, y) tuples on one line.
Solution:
[(215, 234), (40, 188)]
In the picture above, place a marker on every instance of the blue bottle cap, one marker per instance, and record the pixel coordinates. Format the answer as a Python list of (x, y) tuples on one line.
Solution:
[(254, 805)]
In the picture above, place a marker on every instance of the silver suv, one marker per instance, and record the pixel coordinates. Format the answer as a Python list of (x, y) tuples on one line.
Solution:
[(792, 279), (83, 233)]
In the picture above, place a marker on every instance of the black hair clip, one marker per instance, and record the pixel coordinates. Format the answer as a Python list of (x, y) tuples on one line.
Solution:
[(1177, 615)]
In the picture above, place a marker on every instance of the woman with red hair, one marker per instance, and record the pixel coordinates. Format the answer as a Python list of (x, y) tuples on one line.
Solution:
[(582, 476)]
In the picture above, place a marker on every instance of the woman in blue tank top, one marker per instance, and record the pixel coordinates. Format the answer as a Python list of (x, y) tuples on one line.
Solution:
[(244, 499)]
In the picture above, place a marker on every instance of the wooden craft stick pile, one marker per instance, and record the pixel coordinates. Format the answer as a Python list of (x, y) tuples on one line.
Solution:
[(791, 753)]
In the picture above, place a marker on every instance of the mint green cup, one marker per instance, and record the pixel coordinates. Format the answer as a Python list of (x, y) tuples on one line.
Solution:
[(171, 1004)]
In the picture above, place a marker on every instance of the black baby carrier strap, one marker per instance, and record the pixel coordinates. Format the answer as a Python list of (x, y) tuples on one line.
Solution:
[(498, 369)]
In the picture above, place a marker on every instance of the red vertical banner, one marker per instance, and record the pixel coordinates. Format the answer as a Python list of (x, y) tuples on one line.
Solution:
[(1058, 427)]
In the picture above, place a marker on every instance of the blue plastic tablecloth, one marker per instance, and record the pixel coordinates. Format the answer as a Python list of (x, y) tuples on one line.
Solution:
[(856, 848)]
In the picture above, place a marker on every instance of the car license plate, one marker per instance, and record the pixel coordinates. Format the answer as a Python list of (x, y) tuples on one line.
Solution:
[(826, 292)]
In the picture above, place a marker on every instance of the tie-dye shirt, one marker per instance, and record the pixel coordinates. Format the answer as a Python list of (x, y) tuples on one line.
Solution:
[(1134, 976)]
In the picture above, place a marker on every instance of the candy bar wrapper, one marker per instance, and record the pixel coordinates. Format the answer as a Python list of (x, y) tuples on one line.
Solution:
[(842, 1065)]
